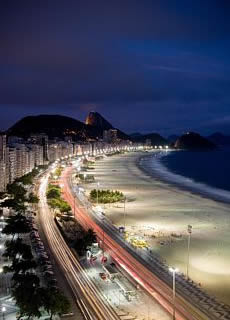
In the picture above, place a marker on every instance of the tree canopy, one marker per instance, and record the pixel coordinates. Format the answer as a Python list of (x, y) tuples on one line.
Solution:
[(16, 224), (88, 238), (106, 196), (17, 247)]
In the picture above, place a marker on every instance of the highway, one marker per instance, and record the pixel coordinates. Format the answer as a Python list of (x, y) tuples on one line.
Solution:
[(90, 301), (132, 262)]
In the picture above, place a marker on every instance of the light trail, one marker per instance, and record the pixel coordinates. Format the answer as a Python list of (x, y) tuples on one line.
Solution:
[(158, 289), (88, 298)]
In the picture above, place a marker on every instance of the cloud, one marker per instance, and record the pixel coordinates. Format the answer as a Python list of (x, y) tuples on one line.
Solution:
[(120, 57)]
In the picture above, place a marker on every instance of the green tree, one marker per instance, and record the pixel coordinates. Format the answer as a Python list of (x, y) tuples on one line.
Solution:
[(15, 204), (88, 238), (20, 266), (16, 224), (55, 302), (64, 206), (28, 295), (32, 198), (53, 193), (17, 247), (27, 179), (17, 190), (53, 203), (106, 196), (58, 171)]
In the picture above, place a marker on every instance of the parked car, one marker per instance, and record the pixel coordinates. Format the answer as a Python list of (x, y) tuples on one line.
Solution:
[(104, 259), (102, 275)]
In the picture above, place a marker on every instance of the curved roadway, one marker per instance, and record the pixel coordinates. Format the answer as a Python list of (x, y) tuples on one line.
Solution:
[(92, 304), (130, 261)]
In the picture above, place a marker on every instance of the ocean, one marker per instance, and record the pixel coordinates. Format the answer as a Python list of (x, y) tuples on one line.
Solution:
[(206, 172)]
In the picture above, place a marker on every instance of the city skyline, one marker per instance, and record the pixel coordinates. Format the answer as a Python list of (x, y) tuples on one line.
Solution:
[(134, 62)]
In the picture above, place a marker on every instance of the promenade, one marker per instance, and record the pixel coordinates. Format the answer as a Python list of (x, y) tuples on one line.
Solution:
[(153, 205)]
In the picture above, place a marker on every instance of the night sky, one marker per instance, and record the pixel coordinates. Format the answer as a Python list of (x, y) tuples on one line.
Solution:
[(148, 65)]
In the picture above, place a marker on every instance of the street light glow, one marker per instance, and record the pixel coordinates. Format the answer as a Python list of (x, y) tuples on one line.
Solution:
[(173, 270)]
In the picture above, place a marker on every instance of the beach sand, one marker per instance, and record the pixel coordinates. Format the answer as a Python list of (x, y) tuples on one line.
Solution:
[(155, 208)]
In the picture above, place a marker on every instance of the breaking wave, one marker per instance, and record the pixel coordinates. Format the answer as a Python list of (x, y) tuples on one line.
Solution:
[(153, 166)]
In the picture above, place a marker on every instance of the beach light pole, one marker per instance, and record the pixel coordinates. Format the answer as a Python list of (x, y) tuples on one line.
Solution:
[(174, 271), (124, 212), (189, 229)]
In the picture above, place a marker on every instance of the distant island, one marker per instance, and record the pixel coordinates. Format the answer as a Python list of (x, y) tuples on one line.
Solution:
[(194, 141)]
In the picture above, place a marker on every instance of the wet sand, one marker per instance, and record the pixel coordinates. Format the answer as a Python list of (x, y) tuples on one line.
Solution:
[(153, 206)]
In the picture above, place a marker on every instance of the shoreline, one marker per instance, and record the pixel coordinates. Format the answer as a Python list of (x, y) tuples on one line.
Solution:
[(156, 210), (197, 188)]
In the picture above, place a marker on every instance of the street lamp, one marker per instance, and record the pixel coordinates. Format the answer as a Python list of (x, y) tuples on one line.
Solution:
[(3, 312), (189, 240), (174, 271), (124, 212), (74, 204)]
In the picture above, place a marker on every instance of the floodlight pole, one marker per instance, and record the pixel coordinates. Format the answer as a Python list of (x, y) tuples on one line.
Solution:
[(188, 254)]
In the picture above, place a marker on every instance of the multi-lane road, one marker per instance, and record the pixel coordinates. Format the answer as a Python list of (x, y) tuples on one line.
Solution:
[(90, 301), (131, 262)]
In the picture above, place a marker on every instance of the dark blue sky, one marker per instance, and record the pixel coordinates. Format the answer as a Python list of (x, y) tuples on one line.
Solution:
[(145, 65)]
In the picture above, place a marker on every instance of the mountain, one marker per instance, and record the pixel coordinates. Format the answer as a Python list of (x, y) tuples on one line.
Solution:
[(219, 139), (95, 120), (52, 125), (194, 141), (135, 134), (59, 126), (155, 139)]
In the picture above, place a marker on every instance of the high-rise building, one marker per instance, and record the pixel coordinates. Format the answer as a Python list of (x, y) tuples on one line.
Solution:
[(3, 174), (12, 160), (42, 139), (38, 154), (110, 135), (3, 147), (21, 160)]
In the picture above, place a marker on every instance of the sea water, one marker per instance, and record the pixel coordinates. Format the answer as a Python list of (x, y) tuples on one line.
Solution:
[(203, 172)]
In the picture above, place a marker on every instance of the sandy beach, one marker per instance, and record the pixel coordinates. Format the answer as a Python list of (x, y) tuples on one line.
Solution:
[(156, 210)]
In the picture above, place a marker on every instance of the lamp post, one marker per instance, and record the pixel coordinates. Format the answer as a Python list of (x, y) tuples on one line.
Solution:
[(174, 271), (189, 240), (78, 171), (124, 212), (3, 312), (74, 204), (103, 247)]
